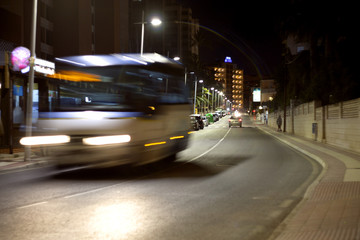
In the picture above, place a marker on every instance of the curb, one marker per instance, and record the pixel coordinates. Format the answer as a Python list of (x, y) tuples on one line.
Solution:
[(17, 166), (13, 162)]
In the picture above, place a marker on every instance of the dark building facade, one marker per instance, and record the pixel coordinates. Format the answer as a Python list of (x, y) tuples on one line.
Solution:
[(15, 25), (114, 26), (91, 27)]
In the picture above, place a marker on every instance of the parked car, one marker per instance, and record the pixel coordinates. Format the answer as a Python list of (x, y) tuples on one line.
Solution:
[(205, 120), (215, 117), (219, 113), (235, 121), (196, 122)]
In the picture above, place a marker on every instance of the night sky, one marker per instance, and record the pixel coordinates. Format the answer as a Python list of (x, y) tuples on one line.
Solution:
[(254, 27), (248, 32)]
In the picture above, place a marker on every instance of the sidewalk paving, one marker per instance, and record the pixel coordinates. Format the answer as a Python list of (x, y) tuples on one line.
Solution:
[(10, 162), (330, 209)]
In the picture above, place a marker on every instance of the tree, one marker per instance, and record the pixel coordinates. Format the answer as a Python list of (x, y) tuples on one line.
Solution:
[(326, 70), (202, 99)]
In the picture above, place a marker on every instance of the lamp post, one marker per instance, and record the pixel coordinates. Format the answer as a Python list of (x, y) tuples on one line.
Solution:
[(216, 98), (192, 73), (154, 22), (220, 100), (142, 34), (212, 100), (29, 105), (208, 102), (202, 93)]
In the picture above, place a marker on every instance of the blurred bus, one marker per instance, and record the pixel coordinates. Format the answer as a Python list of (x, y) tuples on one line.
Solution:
[(112, 109)]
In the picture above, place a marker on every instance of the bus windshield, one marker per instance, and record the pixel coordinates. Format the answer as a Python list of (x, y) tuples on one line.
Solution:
[(114, 88)]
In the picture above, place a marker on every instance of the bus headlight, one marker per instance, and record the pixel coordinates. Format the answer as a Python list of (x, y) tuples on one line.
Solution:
[(44, 140), (103, 140)]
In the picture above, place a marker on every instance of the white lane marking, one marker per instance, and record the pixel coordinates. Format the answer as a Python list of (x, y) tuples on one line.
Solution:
[(91, 191), (209, 150), (31, 205)]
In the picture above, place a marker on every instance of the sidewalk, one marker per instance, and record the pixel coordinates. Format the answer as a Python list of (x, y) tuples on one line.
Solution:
[(10, 162), (330, 209)]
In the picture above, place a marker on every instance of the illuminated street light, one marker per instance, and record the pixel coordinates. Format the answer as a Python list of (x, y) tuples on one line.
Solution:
[(154, 22), (202, 93)]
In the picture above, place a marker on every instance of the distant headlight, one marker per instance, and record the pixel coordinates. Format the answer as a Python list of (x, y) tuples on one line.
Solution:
[(107, 140), (44, 140)]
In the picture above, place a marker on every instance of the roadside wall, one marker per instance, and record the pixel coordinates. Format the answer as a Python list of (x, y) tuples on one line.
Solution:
[(336, 124)]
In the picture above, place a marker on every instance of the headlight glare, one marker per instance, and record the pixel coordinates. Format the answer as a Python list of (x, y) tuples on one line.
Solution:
[(44, 140), (104, 140)]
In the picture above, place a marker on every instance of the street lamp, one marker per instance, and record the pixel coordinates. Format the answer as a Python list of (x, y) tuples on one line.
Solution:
[(192, 73), (220, 99), (212, 99), (216, 98), (202, 93), (29, 106), (154, 22), (208, 101)]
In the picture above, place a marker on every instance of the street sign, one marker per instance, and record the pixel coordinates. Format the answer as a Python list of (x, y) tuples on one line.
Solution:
[(256, 95)]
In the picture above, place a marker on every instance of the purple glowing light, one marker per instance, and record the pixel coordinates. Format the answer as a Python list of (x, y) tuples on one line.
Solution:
[(20, 58)]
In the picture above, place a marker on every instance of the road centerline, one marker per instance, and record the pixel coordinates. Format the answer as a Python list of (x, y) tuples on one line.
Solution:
[(212, 148)]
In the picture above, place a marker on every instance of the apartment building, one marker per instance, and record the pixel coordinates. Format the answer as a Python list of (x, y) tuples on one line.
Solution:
[(232, 80)]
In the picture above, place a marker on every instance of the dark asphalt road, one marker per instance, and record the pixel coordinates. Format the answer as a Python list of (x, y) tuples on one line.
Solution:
[(236, 183)]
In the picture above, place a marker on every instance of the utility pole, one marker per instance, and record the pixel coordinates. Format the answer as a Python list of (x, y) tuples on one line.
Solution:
[(285, 55), (31, 82)]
